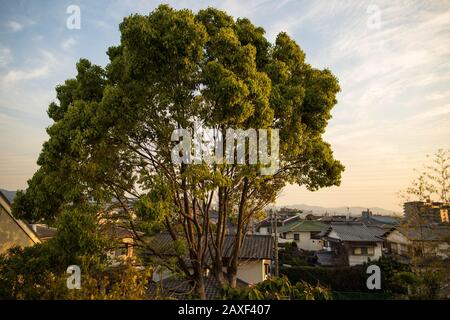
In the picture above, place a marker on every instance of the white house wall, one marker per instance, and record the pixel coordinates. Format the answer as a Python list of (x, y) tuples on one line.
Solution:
[(305, 242), (252, 271), (361, 259)]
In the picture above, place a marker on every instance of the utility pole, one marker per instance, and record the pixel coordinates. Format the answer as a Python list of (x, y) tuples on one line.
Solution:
[(277, 269)]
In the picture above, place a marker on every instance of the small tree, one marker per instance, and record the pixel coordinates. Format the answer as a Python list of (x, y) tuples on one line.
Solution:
[(433, 181), (432, 184)]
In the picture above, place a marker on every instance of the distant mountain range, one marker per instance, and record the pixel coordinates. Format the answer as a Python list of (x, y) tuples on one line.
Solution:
[(354, 211), (10, 195)]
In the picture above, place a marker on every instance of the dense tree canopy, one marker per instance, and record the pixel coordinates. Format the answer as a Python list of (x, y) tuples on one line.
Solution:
[(111, 136)]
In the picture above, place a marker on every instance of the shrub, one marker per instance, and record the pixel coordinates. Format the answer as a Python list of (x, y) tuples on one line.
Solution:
[(277, 288)]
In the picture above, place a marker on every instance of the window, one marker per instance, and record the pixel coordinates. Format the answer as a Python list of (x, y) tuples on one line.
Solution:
[(315, 235), (296, 236), (364, 251)]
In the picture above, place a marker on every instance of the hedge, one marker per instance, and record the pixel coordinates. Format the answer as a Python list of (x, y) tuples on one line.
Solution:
[(338, 279)]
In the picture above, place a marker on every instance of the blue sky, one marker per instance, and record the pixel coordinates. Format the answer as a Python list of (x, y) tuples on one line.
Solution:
[(394, 107)]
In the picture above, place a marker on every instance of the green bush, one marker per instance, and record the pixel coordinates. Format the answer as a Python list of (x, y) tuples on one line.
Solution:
[(349, 279), (338, 279), (277, 288)]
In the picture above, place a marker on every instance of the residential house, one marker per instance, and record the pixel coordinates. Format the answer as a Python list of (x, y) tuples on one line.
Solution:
[(255, 258), (382, 221), (305, 233), (265, 226), (335, 218), (350, 243), (125, 242), (13, 232), (405, 242)]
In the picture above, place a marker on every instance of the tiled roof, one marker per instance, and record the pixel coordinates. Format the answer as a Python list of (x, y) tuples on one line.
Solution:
[(253, 247), (377, 230), (180, 288), (385, 219), (304, 226), (425, 233), (44, 232), (380, 221), (119, 232), (354, 231)]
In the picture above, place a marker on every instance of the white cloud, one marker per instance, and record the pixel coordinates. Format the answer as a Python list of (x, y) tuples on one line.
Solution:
[(395, 101), (68, 43), (14, 26), (5, 57), (19, 75), (30, 88), (434, 112), (41, 69)]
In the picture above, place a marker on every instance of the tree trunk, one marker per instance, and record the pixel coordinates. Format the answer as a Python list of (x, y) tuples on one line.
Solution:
[(232, 269), (199, 284), (218, 249)]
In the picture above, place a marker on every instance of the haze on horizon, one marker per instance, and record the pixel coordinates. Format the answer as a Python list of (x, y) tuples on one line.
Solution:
[(393, 109)]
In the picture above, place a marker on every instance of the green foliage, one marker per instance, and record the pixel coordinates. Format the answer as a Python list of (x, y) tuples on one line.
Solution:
[(292, 256), (277, 289), (338, 279), (80, 239), (404, 281), (111, 136), (38, 272), (120, 283), (112, 127), (350, 279), (29, 273), (390, 268), (397, 279)]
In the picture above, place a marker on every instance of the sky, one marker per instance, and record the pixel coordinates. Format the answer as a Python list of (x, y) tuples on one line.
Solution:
[(392, 59)]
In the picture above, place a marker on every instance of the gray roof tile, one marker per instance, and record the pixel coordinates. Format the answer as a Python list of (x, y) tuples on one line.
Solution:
[(253, 247), (354, 231)]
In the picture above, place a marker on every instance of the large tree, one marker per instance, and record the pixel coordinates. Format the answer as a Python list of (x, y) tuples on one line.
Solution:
[(111, 137)]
